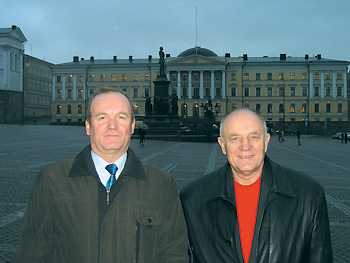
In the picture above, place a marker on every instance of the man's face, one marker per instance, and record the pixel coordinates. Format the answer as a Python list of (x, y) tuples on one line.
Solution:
[(244, 144), (111, 125)]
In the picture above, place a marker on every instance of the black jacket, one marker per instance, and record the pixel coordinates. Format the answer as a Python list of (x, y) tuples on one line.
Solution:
[(292, 222)]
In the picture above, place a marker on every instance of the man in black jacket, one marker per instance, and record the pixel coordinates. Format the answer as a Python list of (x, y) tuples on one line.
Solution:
[(252, 209)]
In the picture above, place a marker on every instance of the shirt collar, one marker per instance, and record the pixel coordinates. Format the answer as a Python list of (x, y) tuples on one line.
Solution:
[(100, 166)]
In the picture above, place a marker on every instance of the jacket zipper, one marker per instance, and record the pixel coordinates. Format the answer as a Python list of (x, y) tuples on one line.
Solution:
[(108, 197), (137, 241)]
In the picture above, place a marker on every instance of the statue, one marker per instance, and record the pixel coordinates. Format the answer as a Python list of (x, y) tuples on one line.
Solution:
[(161, 62)]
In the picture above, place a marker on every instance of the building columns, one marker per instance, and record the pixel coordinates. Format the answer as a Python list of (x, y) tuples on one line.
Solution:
[(201, 87), (311, 89), (223, 91), (190, 84), (212, 94), (179, 84), (334, 88)]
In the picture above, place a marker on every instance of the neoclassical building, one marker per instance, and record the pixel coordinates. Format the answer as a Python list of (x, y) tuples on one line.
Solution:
[(284, 89)]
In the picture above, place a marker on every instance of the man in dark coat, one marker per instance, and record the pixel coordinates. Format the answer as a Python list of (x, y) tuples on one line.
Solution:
[(252, 209), (76, 213)]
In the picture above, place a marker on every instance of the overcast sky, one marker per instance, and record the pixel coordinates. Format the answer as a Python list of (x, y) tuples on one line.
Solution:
[(57, 30)]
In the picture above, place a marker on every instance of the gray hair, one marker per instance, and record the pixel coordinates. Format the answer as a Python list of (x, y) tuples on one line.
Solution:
[(236, 111)]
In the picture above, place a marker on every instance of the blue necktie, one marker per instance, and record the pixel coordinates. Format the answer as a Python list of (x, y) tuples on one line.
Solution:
[(112, 169)]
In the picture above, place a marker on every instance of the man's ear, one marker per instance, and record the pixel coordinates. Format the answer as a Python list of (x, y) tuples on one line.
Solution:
[(222, 145), (87, 127)]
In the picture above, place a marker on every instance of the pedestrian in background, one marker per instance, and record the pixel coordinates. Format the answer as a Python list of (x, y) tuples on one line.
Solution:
[(297, 133)]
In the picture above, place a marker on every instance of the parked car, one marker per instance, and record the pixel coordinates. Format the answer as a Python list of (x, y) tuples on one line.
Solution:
[(287, 131)]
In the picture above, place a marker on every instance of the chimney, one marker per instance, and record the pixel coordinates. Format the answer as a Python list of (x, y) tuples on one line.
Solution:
[(82, 59), (14, 27), (245, 57), (75, 59), (283, 56), (115, 58), (319, 56), (130, 58), (167, 55), (306, 56), (227, 55), (92, 59), (150, 58)]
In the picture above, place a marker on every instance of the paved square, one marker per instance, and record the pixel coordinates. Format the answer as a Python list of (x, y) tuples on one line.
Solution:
[(25, 149)]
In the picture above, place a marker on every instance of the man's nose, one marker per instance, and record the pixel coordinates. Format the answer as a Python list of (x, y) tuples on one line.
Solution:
[(112, 124), (245, 144)]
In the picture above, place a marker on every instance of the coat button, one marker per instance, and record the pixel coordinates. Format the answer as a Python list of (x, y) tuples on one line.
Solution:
[(229, 242), (149, 220)]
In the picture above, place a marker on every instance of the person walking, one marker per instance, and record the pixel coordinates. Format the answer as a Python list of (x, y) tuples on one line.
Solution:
[(297, 132)]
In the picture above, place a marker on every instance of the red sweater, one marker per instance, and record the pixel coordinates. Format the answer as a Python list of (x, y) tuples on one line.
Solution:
[(247, 200)]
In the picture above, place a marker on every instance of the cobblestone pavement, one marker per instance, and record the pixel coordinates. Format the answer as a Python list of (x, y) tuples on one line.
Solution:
[(25, 149)]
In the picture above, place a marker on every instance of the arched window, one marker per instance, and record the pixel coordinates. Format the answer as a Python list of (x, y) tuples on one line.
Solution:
[(257, 107), (303, 108), (317, 108), (328, 108), (195, 110), (246, 106), (269, 108), (280, 108), (340, 108), (58, 109), (292, 108)]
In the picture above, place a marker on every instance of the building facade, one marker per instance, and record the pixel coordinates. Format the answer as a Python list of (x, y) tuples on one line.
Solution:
[(11, 74), (37, 88), (296, 92)]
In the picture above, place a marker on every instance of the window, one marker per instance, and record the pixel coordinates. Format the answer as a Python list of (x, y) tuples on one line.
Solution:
[(195, 76), (80, 109), (339, 75), (269, 91), (69, 109), (184, 77), (327, 76), (328, 108), (217, 76), (70, 78), (328, 91), (317, 91), (339, 91), (304, 76), (304, 91), (147, 77), (58, 109), (80, 93), (246, 76), (80, 78), (136, 77), (102, 77), (125, 90), (195, 110), (91, 78), (233, 91), (281, 76), (316, 76), (257, 107), (59, 94), (173, 76), (135, 92), (246, 92), (58, 79), (233, 106), (217, 91), (281, 91), (69, 94), (147, 92), (292, 91), (303, 108), (317, 108), (269, 76), (292, 76), (340, 108), (124, 78), (257, 91), (206, 76), (292, 108), (257, 76), (269, 108), (233, 76), (113, 78), (281, 108)]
